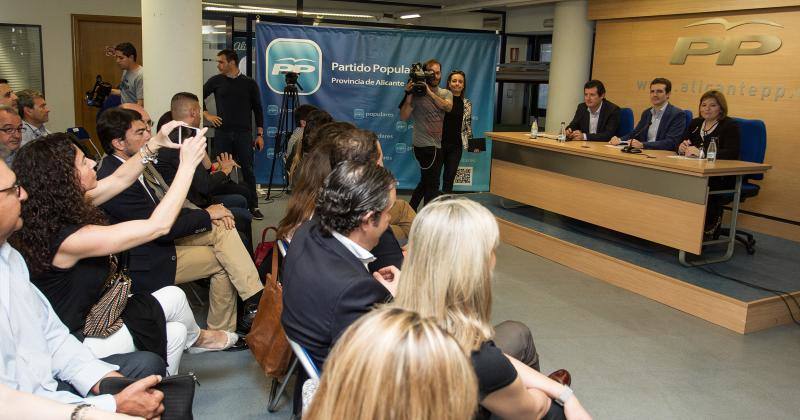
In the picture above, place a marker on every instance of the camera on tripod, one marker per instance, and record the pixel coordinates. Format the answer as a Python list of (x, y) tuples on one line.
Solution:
[(97, 95), (291, 78), (420, 77)]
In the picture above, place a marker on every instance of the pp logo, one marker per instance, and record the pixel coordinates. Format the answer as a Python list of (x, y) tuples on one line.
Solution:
[(272, 110), (270, 153), (358, 114), (401, 126), (271, 132), (400, 148), (301, 56)]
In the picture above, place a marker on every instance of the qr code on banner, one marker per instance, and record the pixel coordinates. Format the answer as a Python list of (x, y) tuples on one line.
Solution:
[(463, 175)]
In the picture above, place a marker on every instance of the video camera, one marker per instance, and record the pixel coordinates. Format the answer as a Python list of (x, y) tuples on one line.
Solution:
[(420, 77), (97, 95)]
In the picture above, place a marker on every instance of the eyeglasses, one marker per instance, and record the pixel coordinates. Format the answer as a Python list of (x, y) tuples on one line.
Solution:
[(11, 130), (15, 187)]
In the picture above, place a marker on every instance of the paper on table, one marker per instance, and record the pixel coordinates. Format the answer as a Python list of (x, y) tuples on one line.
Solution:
[(684, 157)]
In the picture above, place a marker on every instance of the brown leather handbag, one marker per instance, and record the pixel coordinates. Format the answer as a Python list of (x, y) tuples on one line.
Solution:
[(105, 316), (266, 339)]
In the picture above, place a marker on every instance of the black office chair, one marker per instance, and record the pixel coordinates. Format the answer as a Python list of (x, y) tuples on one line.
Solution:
[(753, 147)]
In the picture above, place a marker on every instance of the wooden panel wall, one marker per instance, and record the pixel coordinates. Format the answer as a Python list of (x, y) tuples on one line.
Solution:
[(629, 53), (615, 9)]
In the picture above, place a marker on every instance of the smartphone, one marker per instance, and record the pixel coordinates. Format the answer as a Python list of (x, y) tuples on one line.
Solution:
[(180, 132)]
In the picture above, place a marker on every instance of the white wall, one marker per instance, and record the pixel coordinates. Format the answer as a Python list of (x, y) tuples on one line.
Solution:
[(529, 20), (54, 16)]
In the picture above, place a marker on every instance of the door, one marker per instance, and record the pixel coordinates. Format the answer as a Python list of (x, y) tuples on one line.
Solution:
[(90, 36)]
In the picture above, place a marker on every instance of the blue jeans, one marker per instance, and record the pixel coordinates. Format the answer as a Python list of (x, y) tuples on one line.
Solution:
[(240, 145)]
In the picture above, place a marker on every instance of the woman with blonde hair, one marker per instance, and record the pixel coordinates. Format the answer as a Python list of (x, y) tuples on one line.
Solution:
[(452, 284), (395, 364)]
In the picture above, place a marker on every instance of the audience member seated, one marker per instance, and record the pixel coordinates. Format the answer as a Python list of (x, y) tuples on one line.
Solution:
[(20, 405), (300, 117), (661, 126), (326, 283), (314, 121), (7, 95), (37, 353), (597, 118), (34, 113), (402, 217), (201, 243), (447, 276), (207, 188), (68, 242), (393, 364), (337, 142), (715, 123), (309, 178), (10, 132)]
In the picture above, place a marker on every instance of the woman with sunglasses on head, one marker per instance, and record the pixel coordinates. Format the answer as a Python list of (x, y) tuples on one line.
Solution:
[(457, 128), (71, 250), (453, 285)]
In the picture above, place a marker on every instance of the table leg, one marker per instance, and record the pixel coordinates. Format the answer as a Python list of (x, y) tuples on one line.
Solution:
[(731, 240)]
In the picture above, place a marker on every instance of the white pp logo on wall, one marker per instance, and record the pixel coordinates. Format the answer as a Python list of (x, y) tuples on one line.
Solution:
[(289, 55)]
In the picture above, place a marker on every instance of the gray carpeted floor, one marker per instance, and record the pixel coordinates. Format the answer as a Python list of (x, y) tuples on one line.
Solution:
[(630, 357)]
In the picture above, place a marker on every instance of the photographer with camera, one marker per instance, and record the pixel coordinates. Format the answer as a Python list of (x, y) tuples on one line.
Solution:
[(426, 103)]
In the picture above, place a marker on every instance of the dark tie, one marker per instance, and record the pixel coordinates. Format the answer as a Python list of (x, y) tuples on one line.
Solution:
[(157, 184)]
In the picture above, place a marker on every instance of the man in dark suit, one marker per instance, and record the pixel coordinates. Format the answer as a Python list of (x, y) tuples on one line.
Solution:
[(326, 283), (597, 118), (661, 127), (206, 244)]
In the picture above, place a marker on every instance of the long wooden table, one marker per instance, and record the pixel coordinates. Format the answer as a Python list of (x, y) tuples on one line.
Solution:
[(648, 195)]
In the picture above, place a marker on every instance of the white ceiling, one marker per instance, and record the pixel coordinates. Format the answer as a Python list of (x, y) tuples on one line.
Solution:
[(408, 5)]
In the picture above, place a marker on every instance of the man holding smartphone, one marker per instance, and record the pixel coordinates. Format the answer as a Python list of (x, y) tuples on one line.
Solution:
[(237, 96)]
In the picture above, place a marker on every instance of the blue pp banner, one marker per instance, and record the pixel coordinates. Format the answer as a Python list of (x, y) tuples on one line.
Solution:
[(358, 75)]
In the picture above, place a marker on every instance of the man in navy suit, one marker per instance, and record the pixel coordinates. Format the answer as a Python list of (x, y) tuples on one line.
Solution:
[(597, 118), (326, 282), (661, 127)]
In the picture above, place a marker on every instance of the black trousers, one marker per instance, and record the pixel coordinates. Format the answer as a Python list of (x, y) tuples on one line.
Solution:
[(451, 155), (240, 145), (136, 365), (430, 165)]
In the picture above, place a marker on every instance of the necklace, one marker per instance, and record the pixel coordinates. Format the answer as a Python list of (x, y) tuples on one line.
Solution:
[(710, 129)]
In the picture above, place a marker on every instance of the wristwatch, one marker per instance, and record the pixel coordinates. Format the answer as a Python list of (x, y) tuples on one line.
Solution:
[(565, 396)]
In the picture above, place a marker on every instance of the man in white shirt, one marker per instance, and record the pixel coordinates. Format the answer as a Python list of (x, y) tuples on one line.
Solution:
[(597, 118), (661, 127), (37, 353), (34, 113)]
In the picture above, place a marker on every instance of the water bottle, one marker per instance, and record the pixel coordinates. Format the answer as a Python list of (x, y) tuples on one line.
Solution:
[(711, 154), (534, 129), (562, 134)]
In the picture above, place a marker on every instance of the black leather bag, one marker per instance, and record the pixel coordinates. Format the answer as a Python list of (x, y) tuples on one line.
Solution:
[(178, 393)]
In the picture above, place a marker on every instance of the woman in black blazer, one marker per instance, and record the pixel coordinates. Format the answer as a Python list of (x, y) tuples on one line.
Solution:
[(713, 122)]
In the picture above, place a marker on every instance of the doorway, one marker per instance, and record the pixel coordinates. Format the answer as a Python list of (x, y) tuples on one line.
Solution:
[(91, 34)]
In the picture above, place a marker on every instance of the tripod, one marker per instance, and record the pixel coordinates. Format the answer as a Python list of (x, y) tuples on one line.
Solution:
[(284, 129)]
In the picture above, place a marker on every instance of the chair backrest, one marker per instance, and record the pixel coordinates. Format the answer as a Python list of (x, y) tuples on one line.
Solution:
[(85, 140), (625, 121), (305, 359), (688, 116), (753, 142)]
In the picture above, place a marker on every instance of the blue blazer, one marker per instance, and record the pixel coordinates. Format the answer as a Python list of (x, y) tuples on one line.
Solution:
[(670, 130)]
